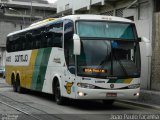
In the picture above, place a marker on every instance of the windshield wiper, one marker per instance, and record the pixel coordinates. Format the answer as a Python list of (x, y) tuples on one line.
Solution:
[(120, 63), (102, 64)]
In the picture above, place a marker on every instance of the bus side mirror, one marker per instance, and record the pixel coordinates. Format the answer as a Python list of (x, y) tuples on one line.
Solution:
[(76, 45)]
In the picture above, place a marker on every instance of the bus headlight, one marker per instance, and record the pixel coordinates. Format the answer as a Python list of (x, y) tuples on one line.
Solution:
[(86, 85), (134, 86)]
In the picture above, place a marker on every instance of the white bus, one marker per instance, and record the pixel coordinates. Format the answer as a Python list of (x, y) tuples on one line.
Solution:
[(78, 57)]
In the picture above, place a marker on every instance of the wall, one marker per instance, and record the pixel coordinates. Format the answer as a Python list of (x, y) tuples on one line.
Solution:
[(144, 28), (75, 4), (5, 28), (155, 83), (61, 5)]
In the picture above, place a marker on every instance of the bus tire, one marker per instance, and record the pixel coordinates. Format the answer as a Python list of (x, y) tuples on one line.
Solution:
[(19, 89), (13, 82), (108, 103), (14, 86), (57, 94)]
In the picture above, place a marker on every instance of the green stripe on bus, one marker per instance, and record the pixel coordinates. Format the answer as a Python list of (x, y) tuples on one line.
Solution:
[(120, 81), (43, 68), (112, 81), (126, 81), (36, 68), (116, 81), (40, 68)]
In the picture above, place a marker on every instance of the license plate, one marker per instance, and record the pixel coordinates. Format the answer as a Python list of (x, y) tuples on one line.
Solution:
[(111, 95)]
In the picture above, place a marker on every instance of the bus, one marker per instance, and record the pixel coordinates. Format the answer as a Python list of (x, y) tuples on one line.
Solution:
[(84, 57)]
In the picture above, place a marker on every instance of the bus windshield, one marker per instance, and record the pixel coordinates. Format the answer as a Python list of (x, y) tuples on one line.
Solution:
[(109, 57), (103, 29)]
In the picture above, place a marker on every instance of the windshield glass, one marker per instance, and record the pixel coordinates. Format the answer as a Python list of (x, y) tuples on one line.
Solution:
[(105, 58), (103, 29)]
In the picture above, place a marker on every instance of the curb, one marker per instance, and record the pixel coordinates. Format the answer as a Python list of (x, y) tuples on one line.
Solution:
[(140, 104)]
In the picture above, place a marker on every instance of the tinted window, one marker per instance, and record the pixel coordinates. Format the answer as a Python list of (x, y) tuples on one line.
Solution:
[(46, 36), (37, 37), (157, 6), (96, 29), (54, 35), (29, 40), (68, 45)]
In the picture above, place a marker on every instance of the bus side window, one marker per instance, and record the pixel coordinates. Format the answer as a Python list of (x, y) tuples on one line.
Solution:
[(29, 41), (54, 35), (68, 45), (24, 44), (15, 42), (9, 44), (37, 37), (43, 39), (12, 45), (20, 40), (18, 44)]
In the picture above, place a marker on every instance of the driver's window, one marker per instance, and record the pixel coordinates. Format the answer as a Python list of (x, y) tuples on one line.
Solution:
[(68, 45)]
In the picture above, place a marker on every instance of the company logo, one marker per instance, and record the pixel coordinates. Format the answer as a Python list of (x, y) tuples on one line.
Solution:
[(21, 58), (112, 85), (68, 87)]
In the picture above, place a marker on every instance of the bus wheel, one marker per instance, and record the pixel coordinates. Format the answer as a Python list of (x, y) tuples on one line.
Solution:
[(14, 86), (18, 86), (57, 92), (108, 103), (14, 83)]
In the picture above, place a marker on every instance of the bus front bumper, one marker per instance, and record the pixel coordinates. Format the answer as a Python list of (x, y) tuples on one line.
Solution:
[(99, 94)]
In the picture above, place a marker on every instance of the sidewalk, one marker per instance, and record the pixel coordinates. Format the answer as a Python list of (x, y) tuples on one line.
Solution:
[(150, 99)]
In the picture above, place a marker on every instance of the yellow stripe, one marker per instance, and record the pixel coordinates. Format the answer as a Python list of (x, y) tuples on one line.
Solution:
[(128, 81), (30, 68), (25, 72)]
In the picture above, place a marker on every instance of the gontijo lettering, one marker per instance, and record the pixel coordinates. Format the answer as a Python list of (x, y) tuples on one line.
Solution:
[(8, 59), (21, 58)]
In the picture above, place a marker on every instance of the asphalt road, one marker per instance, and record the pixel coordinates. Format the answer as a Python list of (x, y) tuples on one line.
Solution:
[(42, 106)]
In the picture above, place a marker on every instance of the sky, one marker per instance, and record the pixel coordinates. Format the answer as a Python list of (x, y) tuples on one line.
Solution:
[(51, 1)]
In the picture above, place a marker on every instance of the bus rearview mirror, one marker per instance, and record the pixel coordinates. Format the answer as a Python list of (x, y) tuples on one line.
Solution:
[(76, 45)]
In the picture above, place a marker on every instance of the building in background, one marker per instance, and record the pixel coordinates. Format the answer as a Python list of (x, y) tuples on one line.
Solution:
[(145, 13), (18, 14), (155, 74)]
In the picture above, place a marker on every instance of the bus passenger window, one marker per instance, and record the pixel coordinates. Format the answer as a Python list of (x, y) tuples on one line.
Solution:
[(43, 39), (9, 44), (54, 35), (29, 40), (23, 39)]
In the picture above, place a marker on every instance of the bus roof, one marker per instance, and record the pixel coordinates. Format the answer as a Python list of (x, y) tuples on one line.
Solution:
[(74, 18), (34, 25), (41, 22), (96, 17)]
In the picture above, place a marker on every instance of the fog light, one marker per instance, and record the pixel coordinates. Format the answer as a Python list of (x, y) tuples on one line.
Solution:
[(136, 94), (82, 94)]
